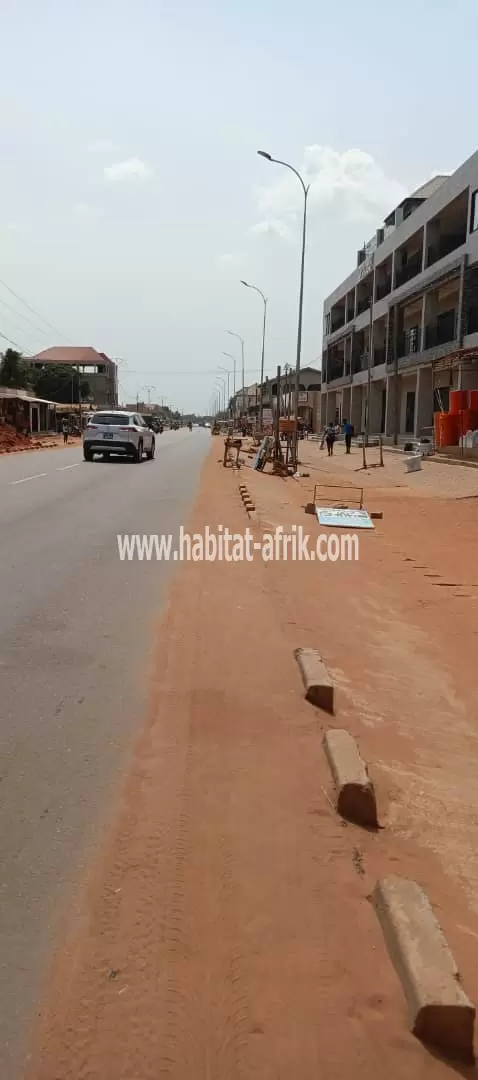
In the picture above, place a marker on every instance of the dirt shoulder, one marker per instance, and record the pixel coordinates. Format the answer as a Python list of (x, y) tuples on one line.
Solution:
[(11, 442), (226, 929)]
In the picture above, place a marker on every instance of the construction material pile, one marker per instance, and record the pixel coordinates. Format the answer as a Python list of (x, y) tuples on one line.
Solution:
[(11, 441)]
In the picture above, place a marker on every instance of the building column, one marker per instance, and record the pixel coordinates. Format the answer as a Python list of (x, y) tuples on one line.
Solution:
[(375, 408), (423, 400), (459, 314), (331, 407), (356, 408), (323, 409), (422, 343)]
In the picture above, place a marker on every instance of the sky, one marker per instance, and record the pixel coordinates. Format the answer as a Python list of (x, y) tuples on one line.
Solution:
[(132, 199)]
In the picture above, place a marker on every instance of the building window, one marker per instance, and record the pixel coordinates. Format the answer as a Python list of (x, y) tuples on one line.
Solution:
[(474, 212), (327, 323)]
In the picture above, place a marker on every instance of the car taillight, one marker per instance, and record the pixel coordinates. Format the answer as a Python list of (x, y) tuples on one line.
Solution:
[(92, 425)]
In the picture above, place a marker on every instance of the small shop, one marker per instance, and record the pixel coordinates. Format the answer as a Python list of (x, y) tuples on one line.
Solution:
[(28, 415)]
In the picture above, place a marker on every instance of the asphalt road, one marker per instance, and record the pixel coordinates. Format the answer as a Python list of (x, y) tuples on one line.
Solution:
[(76, 626)]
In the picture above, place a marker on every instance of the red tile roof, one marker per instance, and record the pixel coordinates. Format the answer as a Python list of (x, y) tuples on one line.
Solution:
[(71, 354)]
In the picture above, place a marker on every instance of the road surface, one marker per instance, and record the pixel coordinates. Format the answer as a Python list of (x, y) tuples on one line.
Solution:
[(76, 626)]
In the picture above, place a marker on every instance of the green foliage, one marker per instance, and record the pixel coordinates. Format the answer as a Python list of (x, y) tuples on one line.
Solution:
[(60, 383), (13, 371)]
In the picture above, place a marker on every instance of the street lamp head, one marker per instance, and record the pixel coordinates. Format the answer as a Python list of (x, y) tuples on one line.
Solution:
[(246, 283), (263, 153)]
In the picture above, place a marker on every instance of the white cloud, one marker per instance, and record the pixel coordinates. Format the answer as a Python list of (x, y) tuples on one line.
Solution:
[(230, 259), (125, 170), (14, 226), (351, 183), (100, 146), (274, 227), (86, 211)]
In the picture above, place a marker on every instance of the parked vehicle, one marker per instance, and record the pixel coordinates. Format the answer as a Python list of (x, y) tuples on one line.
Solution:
[(118, 432)]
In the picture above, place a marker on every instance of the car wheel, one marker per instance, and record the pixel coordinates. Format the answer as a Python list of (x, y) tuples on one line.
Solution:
[(87, 454), (150, 453), (139, 452)]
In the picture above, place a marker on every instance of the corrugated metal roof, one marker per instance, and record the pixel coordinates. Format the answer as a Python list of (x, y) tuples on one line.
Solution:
[(22, 395)]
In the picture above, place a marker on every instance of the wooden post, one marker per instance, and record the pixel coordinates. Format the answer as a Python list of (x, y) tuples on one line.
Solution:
[(277, 450)]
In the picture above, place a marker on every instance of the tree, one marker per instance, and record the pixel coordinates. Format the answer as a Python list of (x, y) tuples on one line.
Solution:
[(60, 383), (13, 371)]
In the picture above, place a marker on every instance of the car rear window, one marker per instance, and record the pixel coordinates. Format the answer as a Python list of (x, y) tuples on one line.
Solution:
[(107, 419)]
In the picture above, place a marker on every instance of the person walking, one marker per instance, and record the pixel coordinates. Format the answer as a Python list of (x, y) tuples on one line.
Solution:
[(65, 430), (330, 439), (348, 432)]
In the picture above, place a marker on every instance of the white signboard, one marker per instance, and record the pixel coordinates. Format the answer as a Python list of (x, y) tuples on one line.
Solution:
[(267, 416), (343, 519)]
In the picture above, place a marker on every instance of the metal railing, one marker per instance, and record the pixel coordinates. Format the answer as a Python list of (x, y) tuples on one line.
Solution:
[(409, 270)]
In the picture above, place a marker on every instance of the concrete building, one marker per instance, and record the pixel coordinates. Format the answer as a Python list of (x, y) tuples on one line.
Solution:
[(97, 368), (309, 395), (402, 329), (247, 402)]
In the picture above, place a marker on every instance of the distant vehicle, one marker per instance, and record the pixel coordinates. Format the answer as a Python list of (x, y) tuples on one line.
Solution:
[(118, 432), (148, 420), (207, 425)]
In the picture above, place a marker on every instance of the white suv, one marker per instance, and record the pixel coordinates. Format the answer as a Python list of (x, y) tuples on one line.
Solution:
[(118, 432)]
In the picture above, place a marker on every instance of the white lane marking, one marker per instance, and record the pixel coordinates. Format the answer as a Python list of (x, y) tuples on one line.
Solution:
[(61, 468), (25, 478)]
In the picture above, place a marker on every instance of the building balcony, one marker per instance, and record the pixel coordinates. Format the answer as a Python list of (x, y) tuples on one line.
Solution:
[(383, 289), (445, 246), (441, 332), (378, 356), (408, 342), (409, 270), (337, 323), (472, 320), (335, 370), (363, 304)]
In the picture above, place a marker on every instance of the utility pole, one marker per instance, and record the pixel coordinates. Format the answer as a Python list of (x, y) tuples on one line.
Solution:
[(238, 336), (277, 419)]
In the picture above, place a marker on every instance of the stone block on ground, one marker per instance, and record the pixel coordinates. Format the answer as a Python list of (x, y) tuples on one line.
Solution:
[(319, 689), (355, 792), (439, 1010)]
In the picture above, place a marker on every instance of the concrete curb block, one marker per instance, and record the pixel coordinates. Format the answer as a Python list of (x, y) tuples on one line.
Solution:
[(439, 1010), (355, 791), (247, 501), (319, 689)]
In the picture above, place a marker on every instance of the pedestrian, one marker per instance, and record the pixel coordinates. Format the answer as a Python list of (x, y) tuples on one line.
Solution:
[(348, 432), (65, 430), (330, 439)]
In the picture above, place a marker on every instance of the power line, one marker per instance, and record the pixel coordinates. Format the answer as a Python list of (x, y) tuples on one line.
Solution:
[(15, 343), (22, 316), (33, 311), (25, 333), (208, 371)]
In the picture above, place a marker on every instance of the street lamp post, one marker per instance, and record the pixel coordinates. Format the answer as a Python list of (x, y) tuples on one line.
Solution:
[(148, 391), (233, 358), (238, 336), (264, 299), (228, 373), (305, 189), (223, 381)]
